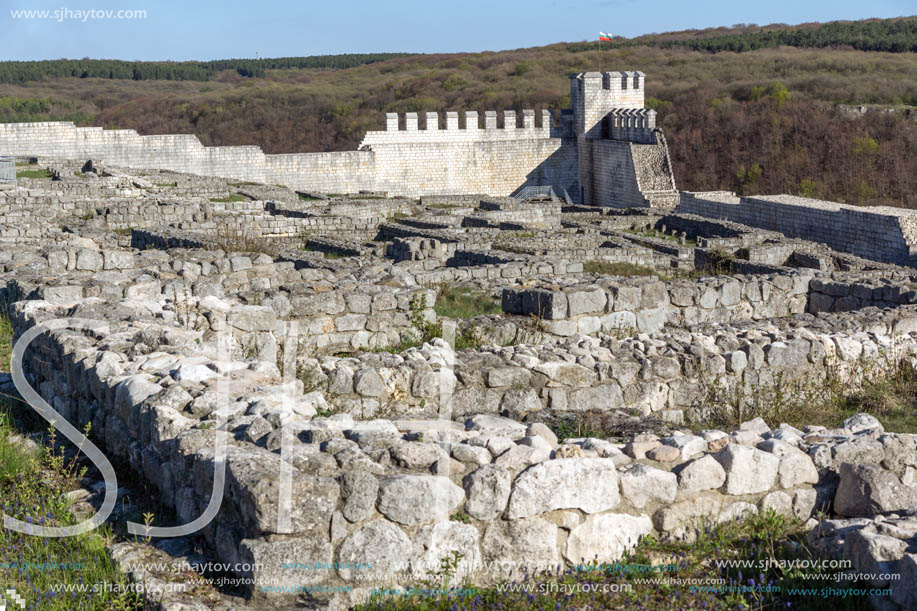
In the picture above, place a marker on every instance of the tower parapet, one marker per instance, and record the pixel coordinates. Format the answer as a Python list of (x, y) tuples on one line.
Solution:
[(632, 124), (594, 94)]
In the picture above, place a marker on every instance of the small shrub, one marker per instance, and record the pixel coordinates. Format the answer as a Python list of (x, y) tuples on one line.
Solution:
[(719, 262), (809, 188)]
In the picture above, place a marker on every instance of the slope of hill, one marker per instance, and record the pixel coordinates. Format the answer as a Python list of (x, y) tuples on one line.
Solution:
[(893, 35), (765, 120)]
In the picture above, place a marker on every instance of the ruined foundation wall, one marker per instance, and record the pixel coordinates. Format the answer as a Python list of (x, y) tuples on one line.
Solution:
[(492, 489), (363, 493)]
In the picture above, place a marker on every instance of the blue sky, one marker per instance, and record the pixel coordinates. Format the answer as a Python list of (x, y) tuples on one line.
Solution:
[(184, 30)]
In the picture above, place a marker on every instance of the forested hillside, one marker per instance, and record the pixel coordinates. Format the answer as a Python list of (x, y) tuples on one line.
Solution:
[(21, 72), (893, 35), (764, 120)]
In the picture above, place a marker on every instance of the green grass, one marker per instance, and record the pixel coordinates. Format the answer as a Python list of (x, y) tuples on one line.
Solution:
[(308, 198), (33, 174), (616, 269), (760, 538), (888, 391), (234, 197), (166, 184), (13, 460), (32, 488), (326, 255), (6, 341), (455, 302), (439, 206)]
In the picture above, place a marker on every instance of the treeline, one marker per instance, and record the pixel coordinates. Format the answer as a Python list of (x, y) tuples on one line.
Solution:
[(13, 72), (890, 35)]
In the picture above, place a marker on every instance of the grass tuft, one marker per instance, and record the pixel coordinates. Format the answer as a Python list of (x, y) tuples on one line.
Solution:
[(457, 302), (616, 269), (34, 174), (882, 388), (233, 197)]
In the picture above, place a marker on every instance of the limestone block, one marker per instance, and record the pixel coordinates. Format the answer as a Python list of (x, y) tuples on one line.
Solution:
[(641, 484), (606, 537), (487, 490), (416, 499), (383, 542), (748, 470), (867, 489), (542, 487)]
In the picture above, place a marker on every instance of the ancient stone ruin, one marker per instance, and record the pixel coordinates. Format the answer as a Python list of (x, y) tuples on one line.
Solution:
[(282, 344)]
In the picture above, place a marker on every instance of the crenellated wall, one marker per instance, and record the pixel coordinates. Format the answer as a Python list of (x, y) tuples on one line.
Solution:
[(472, 131), (632, 124), (342, 172), (472, 159), (447, 157)]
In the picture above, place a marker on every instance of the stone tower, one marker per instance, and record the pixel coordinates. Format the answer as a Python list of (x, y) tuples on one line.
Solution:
[(593, 95), (622, 158)]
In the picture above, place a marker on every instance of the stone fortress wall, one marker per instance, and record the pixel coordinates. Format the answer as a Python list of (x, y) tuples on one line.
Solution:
[(472, 159), (606, 133), (880, 233)]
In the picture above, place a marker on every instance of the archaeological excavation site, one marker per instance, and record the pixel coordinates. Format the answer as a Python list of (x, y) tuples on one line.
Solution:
[(499, 344)]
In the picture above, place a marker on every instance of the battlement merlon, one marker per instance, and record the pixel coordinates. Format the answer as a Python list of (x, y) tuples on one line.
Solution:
[(432, 130), (631, 124), (594, 94)]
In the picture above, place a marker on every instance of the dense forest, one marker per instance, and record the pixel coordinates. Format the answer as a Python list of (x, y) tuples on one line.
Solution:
[(891, 35), (21, 72), (769, 120)]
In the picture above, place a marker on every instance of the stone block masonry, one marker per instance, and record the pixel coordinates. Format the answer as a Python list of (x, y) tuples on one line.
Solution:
[(372, 492), (879, 233), (343, 172), (401, 457)]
